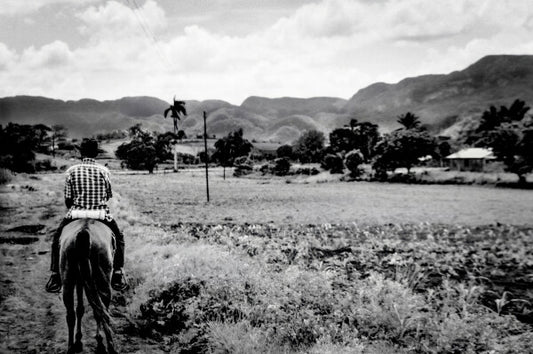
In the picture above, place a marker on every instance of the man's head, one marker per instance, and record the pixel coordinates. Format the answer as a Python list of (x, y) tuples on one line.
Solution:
[(89, 148)]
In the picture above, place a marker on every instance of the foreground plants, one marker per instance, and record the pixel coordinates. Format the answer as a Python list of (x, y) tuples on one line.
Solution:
[(338, 288)]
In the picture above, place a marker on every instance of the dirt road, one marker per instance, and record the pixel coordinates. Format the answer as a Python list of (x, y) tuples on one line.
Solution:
[(31, 320)]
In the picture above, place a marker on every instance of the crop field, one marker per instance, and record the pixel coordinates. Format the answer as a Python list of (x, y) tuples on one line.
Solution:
[(269, 266)]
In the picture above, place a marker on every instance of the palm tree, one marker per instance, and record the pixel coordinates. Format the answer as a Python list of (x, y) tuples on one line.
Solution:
[(409, 121), (177, 109)]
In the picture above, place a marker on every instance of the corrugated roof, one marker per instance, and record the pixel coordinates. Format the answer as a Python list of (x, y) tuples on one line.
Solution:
[(472, 153)]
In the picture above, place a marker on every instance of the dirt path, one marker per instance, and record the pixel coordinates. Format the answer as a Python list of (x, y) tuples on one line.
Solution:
[(31, 320)]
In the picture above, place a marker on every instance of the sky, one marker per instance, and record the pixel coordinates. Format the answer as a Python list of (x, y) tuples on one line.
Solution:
[(233, 49)]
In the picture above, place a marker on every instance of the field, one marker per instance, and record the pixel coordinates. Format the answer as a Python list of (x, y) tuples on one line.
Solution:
[(300, 267)]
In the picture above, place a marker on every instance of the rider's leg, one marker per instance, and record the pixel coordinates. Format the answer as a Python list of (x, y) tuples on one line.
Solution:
[(117, 281), (54, 284)]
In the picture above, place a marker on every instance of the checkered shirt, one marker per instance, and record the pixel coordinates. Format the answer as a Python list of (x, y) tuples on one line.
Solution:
[(88, 185)]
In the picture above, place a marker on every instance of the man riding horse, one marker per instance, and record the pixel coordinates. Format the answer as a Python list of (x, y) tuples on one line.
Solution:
[(87, 192)]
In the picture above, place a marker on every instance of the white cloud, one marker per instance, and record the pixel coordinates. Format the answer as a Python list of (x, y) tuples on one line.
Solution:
[(18, 7), (7, 57), (332, 47), (115, 20), (55, 55)]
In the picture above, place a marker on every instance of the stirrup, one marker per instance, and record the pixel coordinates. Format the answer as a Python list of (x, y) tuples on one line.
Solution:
[(118, 280), (54, 284)]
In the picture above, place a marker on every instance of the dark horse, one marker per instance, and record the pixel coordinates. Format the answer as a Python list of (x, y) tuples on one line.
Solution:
[(87, 248)]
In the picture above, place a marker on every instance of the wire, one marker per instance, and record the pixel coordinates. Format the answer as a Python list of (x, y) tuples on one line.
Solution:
[(132, 4)]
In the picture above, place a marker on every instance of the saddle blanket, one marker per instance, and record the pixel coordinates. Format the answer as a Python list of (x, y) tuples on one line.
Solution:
[(88, 214)]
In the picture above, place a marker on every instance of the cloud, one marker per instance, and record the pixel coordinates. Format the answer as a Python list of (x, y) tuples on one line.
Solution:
[(19, 7), (326, 48), (115, 20), (50, 56)]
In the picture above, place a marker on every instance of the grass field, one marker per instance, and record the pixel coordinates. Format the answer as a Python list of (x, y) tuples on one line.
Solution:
[(181, 197), (303, 267)]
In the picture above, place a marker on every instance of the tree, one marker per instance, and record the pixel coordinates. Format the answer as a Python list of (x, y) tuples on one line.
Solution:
[(361, 136), (42, 133), (342, 140), (59, 133), (177, 110), (409, 121), (310, 146), (285, 151), (17, 147), (508, 132), (163, 146), (403, 148), (140, 153), (352, 161), (333, 163), (231, 147)]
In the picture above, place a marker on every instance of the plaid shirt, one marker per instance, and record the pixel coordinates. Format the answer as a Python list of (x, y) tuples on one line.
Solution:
[(88, 185)]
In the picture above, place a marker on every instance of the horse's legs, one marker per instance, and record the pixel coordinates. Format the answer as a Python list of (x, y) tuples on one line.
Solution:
[(68, 300), (100, 348), (106, 299), (80, 310)]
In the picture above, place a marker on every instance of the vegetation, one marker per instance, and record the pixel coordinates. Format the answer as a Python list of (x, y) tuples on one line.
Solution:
[(18, 144), (177, 110), (402, 148), (353, 161), (509, 133), (333, 163), (310, 146), (231, 147), (360, 136), (140, 153), (334, 288)]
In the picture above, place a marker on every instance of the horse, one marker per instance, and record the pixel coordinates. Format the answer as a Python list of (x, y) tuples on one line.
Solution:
[(86, 261)]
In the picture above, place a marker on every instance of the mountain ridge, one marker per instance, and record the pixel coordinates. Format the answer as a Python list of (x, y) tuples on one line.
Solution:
[(445, 103)]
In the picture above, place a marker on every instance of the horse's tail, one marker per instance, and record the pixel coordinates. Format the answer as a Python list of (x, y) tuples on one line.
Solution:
[(83, 246)]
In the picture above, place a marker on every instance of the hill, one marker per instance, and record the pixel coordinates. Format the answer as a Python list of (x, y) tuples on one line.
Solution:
[(446, 104)]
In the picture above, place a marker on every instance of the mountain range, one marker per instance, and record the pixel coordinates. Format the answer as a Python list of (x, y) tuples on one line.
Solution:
[(445, 103)]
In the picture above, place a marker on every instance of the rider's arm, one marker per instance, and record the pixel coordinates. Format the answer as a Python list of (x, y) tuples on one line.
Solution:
[(68, 193), (108, 190)]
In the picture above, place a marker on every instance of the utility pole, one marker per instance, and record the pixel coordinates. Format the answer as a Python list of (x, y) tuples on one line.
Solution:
[(206, 158)]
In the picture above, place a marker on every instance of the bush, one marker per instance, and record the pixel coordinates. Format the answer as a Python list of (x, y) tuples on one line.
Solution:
[(333, 163), (44, 165), (308, 171), (281, 166), (243, 166), (352, 161), (285, 151), (5, 176)]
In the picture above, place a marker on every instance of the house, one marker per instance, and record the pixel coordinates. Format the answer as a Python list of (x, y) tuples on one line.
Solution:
[(470, 159)]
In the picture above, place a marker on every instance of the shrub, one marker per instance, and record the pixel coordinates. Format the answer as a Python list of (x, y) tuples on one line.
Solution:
[(352, 161), (333, 163), (281, 166), (5, 176), (285, 151), (309, 171), (243, 166)]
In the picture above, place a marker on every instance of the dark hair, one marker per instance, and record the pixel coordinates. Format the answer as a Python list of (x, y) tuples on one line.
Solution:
[(89, 148)]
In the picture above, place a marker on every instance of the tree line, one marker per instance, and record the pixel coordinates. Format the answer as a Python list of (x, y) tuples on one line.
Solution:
[(508, 131)]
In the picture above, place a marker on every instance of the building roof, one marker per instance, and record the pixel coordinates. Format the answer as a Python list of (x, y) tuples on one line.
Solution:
[(472, 153)]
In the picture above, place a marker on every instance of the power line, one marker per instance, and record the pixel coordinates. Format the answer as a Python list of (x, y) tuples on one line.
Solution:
[(146, 29)]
